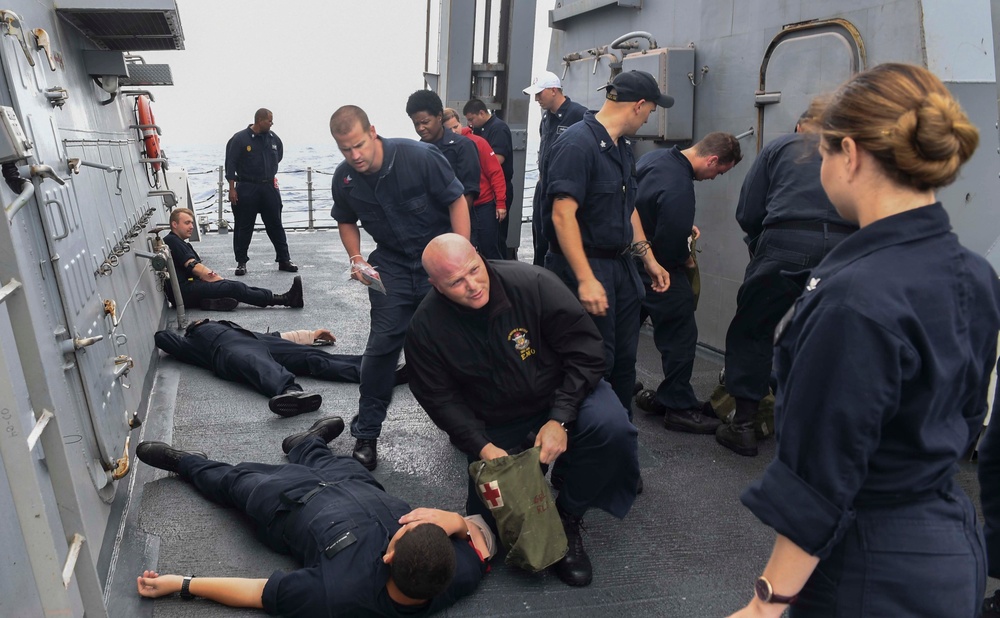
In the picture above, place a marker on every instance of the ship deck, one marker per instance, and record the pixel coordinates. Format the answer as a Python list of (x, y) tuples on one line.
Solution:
[(688, 547)]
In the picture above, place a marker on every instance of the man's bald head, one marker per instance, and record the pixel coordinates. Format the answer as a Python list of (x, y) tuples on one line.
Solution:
[(457, 271)]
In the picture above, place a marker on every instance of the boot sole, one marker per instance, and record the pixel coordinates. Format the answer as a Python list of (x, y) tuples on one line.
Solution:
[(746, 451), (293, 406), (707, 429), (328, 429)]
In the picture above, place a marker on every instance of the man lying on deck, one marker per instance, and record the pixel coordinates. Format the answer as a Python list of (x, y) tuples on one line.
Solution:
[(269, 362), (363, 551)]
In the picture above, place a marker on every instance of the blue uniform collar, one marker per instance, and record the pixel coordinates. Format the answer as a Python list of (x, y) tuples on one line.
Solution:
[(676, 153), (449, 137), (601, 135), (909, 226), (388, 160), (559, 113)]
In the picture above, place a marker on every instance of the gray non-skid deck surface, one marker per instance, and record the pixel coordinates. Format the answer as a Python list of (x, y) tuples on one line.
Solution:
[(688, 548)]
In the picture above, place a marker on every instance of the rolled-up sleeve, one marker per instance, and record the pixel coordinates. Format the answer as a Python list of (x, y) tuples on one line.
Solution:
[(844, 376), (298, 593), (568, 171)]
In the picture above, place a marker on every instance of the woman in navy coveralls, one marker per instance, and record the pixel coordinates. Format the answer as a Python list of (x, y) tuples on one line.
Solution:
[(882, 368)]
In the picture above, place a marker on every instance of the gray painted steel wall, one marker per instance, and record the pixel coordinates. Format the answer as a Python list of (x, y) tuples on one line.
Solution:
[(731, 36)]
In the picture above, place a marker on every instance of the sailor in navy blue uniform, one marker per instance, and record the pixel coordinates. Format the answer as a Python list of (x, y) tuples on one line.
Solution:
[(252, 158), (404, 193), (363, 552), (882, 367), (497, 132), (590, 183), (790, 225), (426, 111), (558, 114), (666, 207), (203, 287), (269, 362)]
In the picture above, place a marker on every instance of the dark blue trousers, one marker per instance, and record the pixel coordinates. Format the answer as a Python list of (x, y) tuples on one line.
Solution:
[(196, 291), (600, 468), (620, 325), (390, 314), (538, 239), (268, 493), (258, 199), (774, 279), (271, 366), (486, 231), (921, 559), (675, 334)]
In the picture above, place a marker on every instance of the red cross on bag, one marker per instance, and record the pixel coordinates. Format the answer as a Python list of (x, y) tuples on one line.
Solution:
[(491, 494)]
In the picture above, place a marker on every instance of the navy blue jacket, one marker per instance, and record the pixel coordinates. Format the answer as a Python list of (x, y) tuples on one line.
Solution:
[(553, 125), (181, 252), (665, 202), (409, 204), (352, 581), (882, 372), (497, 133), (464, 159), (783, 185), (252, 157), (587, 165)]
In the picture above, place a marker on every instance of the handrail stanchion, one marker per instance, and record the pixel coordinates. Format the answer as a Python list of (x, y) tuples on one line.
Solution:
[(309, 194), (220, 197)]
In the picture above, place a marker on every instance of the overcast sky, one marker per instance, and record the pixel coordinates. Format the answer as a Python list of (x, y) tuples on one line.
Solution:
[(302, 59)]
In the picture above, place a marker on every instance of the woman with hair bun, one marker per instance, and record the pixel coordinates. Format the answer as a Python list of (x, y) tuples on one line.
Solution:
[(882, 369)]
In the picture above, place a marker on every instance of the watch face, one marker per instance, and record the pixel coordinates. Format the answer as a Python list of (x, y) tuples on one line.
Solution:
[(763, 589)]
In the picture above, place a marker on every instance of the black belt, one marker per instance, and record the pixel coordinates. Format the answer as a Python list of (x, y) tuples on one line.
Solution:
[(811, 226), (255, 181), (594, 252)]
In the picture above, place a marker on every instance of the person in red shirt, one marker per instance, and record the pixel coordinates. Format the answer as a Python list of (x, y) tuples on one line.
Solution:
[(492, 191)]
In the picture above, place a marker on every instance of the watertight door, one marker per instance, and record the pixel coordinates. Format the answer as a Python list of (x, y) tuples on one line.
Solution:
[(73, 219), (801, 63)]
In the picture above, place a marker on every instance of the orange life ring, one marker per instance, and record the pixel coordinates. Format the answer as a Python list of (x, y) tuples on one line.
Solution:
[(149, 136)]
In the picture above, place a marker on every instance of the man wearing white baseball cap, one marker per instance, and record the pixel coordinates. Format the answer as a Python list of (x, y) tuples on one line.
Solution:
[(558, 113)]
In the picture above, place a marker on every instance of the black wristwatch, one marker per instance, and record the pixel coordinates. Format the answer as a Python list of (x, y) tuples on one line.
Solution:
[(186, 588), (766, 594)]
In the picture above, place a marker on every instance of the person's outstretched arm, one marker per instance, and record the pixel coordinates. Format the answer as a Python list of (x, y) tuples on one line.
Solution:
[(231, 591)]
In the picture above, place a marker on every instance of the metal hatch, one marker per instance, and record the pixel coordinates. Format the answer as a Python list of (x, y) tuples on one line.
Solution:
[(802, 61), (126, 25)]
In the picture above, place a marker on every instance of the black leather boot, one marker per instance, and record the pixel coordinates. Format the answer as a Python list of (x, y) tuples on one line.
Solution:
[(294, 402), (163, 456), (291, 298), (366, 452), (738, 435), (325, 428), (574, 569)]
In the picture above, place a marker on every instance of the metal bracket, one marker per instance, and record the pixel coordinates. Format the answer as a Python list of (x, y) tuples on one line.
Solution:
[(11, 24)]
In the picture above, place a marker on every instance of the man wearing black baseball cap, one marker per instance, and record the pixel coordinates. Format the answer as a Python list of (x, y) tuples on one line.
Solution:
[(591, 223), (636, 86)]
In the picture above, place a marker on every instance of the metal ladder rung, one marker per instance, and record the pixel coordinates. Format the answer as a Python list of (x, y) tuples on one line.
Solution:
[(39, 427), (9, 289)]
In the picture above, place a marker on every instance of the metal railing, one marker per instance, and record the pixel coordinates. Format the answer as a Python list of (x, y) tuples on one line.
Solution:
[(311, 217)]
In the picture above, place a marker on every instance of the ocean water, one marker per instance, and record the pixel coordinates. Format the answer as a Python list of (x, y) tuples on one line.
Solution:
[(204, 162)]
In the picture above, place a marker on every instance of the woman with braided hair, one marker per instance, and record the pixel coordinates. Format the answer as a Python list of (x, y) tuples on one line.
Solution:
[(882, 368)]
